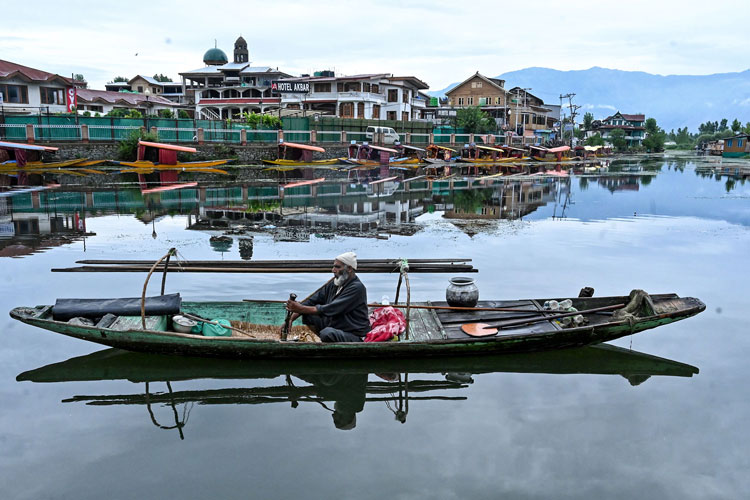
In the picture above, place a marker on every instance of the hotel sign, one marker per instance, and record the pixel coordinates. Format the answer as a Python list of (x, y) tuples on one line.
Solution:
[(290, 87)]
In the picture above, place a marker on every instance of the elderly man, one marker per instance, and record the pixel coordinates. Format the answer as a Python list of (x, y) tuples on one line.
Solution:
[(338, 311)]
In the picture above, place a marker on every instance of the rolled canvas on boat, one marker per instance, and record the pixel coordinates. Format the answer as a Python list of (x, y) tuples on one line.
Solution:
[(66, 309)]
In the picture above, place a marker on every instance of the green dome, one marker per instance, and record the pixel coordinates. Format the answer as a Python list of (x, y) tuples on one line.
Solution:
[(215, 56)]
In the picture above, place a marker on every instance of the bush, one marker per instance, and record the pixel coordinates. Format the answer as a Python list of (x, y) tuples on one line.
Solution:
[(183, 114), (165, 113), (127, 149)]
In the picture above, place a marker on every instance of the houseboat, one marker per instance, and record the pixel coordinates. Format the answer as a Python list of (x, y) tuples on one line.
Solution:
[(737, 146)]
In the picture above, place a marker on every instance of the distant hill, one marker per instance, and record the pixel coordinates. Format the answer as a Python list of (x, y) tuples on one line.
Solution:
[(674, 100)]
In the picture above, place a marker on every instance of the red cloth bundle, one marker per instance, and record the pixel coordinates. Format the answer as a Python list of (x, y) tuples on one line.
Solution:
[(385, 322)]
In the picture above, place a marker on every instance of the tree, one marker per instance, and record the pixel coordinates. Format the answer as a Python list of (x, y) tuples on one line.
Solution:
[(736, 126), (80, 81), (617, 138), (120, 79), (165, 113), (654, 143), (162, 78), (595, 140), (588, 120), (183, 114), (723, 125), (651, 126), (475, 121)]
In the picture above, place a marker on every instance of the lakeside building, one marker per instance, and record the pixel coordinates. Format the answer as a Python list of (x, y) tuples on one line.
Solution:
[(633, 125), (737, 146), (515, 110), (149, 86), (103, 101), (223, 89), (375, 96), (27, 91)]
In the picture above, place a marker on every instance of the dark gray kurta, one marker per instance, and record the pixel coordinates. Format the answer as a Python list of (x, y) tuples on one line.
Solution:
[(347, 310)]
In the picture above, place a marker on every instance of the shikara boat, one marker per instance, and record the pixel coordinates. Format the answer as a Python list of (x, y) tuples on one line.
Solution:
[(367, 155), (556, 155), (439, 154), (434, 329), (163, 157), (293, 155), (485, 155)]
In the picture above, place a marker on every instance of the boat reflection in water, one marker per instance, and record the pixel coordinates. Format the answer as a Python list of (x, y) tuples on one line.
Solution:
[(343, 390)]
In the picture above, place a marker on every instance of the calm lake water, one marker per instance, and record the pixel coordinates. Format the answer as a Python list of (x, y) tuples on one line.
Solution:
[(592, 423)]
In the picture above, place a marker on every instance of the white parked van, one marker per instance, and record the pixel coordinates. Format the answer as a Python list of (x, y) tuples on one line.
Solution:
[(389, 135)]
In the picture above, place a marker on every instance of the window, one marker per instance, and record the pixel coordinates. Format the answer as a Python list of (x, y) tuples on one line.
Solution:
[(739, 143), (365, 87), (375, 88), (391, 115), (498, 100), (470, 101), (729, 143), (460, 101), (18, 94), (405, 116), (405, 96), (393, 95), (476, 85), (482, 101), (321, 87), (340, 86), (376, 111), (140, 89), (52, 96)]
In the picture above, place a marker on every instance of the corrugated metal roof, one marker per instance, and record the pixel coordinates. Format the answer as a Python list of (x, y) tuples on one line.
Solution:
[(8, 69)]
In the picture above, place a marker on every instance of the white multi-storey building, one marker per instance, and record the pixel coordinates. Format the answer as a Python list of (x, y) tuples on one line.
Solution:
[(25, 90), (377, 96)]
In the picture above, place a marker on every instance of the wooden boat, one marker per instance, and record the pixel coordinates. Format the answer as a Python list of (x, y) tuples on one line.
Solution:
[(365, 154), (434, 329), (485, 155), (291, 154), (556, 155), (160, 156), (439, 154)]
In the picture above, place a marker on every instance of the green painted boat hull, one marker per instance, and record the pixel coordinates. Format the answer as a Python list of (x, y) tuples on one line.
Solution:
[(259, 312)]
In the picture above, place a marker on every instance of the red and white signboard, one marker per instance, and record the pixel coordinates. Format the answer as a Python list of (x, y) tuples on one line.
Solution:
[(71, 99)]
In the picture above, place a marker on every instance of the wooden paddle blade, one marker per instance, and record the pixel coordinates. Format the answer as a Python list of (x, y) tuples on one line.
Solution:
[(478, 329)]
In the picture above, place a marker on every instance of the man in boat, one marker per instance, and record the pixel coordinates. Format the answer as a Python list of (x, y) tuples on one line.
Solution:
[(337, 312)]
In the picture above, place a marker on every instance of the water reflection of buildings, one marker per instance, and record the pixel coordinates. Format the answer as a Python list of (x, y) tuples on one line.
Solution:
[(28, 232), (292, 214), (510, 201)]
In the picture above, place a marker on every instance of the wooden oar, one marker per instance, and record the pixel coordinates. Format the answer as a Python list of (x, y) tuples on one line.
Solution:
[(483, 329)]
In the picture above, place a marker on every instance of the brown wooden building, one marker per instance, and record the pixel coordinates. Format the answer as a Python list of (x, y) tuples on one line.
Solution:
[(487, 93)]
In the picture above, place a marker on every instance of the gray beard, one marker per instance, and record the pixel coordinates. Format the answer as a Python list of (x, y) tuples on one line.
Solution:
[(340, 279)]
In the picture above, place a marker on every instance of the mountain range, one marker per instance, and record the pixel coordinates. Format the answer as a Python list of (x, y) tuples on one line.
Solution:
[(674, 100)]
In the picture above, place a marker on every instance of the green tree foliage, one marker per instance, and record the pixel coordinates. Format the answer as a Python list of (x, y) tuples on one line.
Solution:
[(594, 140), (475, 121), (736, 126), (162, 78), (166, 113), (588, 119), (617, 139), (80, 81), (183, 114), (723, 125), (651, 126), (124, 113), (655, 136), (127, 149), (258, 121), (120, 79)]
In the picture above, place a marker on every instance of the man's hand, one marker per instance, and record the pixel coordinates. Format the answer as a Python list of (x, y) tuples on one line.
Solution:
[(294, 306)]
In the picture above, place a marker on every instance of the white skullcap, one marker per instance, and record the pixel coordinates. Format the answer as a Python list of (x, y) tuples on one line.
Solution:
[(348, 258)]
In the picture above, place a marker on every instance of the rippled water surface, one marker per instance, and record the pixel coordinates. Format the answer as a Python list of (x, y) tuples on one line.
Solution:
[(79, 421)]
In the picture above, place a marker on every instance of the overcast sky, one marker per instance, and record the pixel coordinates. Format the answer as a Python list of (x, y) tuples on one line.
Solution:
[(437, 41)]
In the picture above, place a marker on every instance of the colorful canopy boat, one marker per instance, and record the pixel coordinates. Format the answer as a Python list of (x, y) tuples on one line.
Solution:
[(439, 154), (163, 157), (433, 328), (557, 154), (291, 155)]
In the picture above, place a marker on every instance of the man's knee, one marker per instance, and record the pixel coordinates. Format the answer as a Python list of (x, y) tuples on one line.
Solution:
[(329, 334)]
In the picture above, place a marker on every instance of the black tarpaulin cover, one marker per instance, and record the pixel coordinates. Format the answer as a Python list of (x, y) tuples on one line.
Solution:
[(66, 309)]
